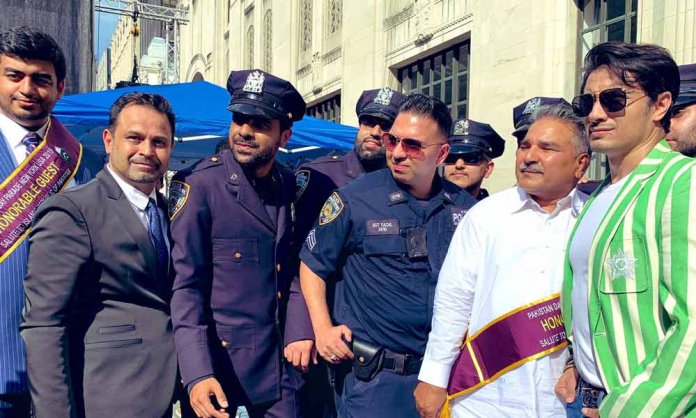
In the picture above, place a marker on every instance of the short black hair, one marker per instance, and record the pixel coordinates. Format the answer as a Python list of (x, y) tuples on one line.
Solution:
[(29, 43), (650, 67), (155, 101), (436, 109)]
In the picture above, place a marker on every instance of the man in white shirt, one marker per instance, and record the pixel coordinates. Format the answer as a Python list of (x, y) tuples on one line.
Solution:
[(97, 327), (502, 275)]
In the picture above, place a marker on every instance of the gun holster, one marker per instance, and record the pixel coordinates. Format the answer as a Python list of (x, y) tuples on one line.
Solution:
[(368, 360)]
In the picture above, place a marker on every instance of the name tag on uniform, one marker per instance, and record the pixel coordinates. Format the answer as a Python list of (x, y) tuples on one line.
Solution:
[(457, 215), (383, 227)]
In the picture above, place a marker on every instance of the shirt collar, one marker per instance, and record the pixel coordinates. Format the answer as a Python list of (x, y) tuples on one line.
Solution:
[(134, 196), (14, 132), (574, 199)]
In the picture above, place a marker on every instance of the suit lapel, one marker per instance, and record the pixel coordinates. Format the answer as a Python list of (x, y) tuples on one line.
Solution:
[(129, 220), (246, 195)]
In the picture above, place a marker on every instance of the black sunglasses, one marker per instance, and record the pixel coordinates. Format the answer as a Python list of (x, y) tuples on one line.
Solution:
[(469, 158), (411, 147), (612, 100)]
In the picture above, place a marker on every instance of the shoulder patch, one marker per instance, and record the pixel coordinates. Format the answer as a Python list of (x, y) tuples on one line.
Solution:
[(458, 213), (332, 208), (178, 194), (301, 182)]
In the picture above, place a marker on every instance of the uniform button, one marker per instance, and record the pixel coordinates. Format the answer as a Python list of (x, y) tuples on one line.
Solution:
[(214, 159), (237, 255), (278, 267), (224, 343), (361, 360), (280, 295), (233, 176)]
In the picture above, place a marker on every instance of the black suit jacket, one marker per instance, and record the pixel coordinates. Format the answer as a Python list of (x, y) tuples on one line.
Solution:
[(96, 324)]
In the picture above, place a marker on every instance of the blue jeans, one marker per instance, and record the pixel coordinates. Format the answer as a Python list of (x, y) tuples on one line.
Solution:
[(387, 395), (574, 409)]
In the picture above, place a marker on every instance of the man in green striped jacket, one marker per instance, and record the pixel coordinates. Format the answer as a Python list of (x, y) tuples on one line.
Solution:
[(629, 294)]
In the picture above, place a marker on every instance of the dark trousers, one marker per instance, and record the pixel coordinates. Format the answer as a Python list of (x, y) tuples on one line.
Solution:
[(316, 396), (288, 406), (15, 405), (387, 395)]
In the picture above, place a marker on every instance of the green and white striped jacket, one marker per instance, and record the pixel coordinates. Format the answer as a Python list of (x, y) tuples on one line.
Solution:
[(642, 290)]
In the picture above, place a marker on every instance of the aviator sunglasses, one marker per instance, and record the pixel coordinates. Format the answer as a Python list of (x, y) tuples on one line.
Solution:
[(469, 158), (411, 147), (612, 100)]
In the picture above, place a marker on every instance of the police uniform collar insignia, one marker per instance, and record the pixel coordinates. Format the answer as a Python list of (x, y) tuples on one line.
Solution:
[(395, 197), (332, 208), (461, 127), (621, 265), (532, 106), (178, 195), (384, 96), (254, 82), (301, 182)]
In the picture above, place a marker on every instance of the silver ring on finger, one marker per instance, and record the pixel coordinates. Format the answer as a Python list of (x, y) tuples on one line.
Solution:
[(333, 357)]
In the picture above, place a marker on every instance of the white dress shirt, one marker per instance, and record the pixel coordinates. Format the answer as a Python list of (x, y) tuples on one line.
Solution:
[(139, 201), (507, 252), (13, 133)]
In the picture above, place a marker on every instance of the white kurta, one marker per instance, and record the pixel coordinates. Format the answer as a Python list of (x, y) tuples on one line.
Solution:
[(506, 252)]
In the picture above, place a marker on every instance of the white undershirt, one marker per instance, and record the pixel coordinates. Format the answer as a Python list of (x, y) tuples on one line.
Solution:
[(579, 255)]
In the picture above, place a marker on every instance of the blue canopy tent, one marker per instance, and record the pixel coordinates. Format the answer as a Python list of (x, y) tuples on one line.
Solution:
[(202, 120)]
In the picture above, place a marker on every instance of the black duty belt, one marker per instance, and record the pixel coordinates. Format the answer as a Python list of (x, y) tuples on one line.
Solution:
[(403, 364)]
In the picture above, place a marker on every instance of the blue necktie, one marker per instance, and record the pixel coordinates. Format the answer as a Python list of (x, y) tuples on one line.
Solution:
[(157, 237), (30, 141)]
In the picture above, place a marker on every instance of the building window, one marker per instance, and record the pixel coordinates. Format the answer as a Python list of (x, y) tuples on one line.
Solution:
[(328, 109), (444, 75), (602, 21), (335, 16), (306, 22), (250, 47), (268, 41)]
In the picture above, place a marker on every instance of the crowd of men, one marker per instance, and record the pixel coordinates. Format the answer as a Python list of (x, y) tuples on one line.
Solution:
[(385, 282)]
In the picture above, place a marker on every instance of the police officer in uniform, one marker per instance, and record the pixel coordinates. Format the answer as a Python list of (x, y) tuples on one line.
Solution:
[(376, 110), (474, 145), (232, 248), (522, 113), (384, 236)]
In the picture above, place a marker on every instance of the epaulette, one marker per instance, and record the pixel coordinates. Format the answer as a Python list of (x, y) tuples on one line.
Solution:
[(323, 160), (200, 165)]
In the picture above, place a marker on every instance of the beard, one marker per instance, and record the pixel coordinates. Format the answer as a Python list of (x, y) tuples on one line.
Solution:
[(256, 158), (370, 155)]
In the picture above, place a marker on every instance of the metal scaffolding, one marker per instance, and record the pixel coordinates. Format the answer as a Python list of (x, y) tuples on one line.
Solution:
[(171, 16)]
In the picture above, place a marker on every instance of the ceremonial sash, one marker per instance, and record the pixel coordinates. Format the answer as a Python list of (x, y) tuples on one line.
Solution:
[(521, 335), (46, 171)]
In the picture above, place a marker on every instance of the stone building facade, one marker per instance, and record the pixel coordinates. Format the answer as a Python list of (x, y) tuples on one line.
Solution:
[(482, 57)]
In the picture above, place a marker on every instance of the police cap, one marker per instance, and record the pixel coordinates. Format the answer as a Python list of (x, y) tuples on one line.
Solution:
[(687, 85), (470, 136), (381, 103), (521, 115), (258, 93)]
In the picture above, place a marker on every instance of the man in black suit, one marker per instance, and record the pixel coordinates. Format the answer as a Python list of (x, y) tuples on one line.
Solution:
[(97, 326)]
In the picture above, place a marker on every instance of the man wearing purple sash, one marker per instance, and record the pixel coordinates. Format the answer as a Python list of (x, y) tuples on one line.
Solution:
[(497, 344), (38, 157)]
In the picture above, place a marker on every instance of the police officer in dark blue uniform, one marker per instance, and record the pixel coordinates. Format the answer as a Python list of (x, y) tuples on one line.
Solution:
[(232, 253), (384, 236), (376, 110), (474, 145)]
